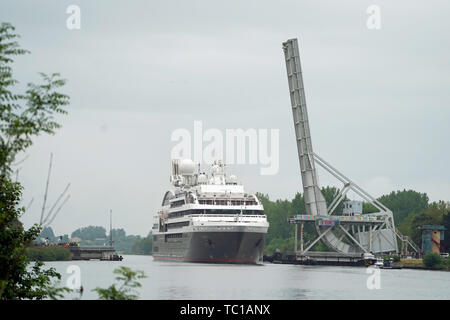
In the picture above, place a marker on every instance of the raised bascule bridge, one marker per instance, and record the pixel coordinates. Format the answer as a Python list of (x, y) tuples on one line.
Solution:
[(349, 237)]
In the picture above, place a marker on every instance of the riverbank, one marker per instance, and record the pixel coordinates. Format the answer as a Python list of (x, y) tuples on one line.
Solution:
[(411, 264), (48, 253), (418, 264)]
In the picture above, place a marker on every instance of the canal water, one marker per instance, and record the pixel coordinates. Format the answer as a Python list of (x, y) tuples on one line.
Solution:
[(180, 281)]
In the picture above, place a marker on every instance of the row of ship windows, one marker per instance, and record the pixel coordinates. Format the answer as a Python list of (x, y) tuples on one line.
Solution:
[(177, 225), (164, 227), (168, 236), (215, 212), (178, 203), (229, 202), (173, 236)]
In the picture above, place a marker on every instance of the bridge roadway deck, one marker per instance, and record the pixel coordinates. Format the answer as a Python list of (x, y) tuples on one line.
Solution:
[(88, 253)]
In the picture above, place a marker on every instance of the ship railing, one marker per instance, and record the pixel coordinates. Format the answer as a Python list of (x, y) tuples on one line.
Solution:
[(228, 215)]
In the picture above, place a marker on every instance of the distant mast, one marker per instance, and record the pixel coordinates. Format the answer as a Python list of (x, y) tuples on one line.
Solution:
[(110, 228)]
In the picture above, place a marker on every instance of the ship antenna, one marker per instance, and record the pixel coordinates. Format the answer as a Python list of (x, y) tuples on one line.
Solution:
[(110, 228)]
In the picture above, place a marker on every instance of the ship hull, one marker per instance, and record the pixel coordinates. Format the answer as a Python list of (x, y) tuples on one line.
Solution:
[(211, 247)]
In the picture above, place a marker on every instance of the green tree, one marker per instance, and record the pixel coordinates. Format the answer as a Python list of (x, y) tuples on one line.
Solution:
[(417, 222), (127, 290), (47, 232), (432, 260), (437, 211), (118, 234), (90, 233), (64, 238), (369, 208), (281, 244), (329, 193), (22, 117), (125, 245), (48, 253), (436, 214), (404, 203), (281, 234), (16, 282), (142, 246)]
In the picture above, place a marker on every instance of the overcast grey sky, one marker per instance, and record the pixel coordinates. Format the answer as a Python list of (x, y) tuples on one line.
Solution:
[(378, 100)]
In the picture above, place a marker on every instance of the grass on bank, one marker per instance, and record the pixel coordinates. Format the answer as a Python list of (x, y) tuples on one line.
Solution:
[(429, 261), (48, 253)]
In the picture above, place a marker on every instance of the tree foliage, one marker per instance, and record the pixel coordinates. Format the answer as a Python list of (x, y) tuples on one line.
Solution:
[(143, 246), (124, 243), (404, 203), (90, 233), (48, 253), (16, 281), (126, 291), (281, 234), (118, 234), (47, 232), (22, 117), (432, 260), (436, 214)]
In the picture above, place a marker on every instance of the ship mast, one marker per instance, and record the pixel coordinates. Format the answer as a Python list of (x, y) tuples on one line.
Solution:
[(110, 228)]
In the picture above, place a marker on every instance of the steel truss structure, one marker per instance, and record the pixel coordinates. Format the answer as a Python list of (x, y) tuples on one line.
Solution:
[(345, 237)]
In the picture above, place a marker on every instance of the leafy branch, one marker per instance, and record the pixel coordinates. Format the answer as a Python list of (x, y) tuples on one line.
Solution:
[(126, 290), (22, 117)]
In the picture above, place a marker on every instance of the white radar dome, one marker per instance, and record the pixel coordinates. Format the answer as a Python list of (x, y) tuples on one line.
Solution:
[(187, 167), (232, 179)]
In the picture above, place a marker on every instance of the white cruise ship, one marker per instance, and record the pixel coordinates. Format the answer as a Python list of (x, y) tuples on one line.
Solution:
[(208, 218)]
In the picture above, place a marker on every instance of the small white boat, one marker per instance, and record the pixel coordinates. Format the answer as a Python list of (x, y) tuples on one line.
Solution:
[(379, 263)]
